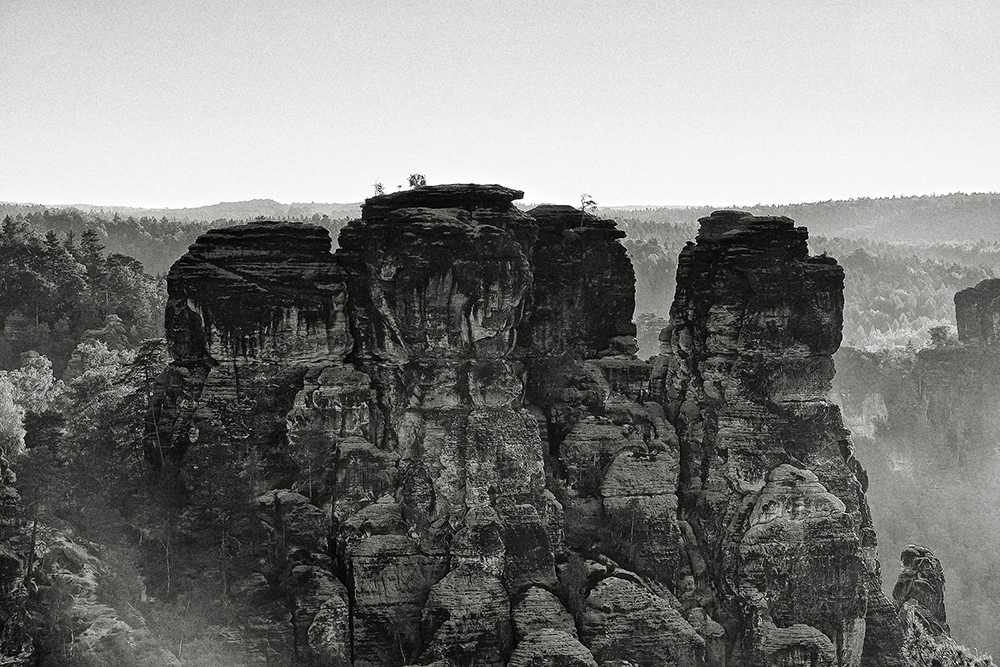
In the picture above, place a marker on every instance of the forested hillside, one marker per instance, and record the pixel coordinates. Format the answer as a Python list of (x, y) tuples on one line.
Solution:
[(156, 242), (926, 219), (58, 288), (893, 293)]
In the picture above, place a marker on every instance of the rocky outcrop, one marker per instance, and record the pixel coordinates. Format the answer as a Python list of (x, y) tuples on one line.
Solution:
[(919, 599), (580, 272), (921, 586), (457, 459), (776, 533), (977, 311), (937, 405), (16, 647)]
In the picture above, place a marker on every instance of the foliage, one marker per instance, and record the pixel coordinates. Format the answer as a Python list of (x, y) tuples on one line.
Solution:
[(416, 180), (648, 328), (53, 293), (921, 649), (11, 419), (893, 294)]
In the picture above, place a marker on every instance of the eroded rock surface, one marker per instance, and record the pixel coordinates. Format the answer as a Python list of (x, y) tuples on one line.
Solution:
[(453, 456), (777, 535), (921, 586), (977, 311)]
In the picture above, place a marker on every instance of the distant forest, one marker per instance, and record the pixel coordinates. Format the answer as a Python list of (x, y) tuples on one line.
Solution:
[(894, 294)]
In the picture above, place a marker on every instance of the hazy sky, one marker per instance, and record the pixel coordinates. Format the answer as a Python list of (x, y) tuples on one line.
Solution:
[(189, 102)]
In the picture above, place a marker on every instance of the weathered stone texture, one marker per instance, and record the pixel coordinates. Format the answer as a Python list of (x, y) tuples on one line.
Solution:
[(773, 515), (921, 583), (457, 458), (977, 311)]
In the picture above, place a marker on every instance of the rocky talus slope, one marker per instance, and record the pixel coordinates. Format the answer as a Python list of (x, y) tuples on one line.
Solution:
[(436, 446)]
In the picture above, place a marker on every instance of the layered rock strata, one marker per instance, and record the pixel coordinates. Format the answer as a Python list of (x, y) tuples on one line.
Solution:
[(776, 533), (438, 286), (456, 458)]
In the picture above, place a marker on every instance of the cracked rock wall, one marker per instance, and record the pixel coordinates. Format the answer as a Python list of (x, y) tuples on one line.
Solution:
[(454, 456), (776, 530)]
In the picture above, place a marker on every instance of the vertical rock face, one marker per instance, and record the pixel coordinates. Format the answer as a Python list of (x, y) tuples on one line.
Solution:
[(455, 456), (919, 599), (580, 272), (439, 282), (611, 457), (977, 310), (246, 306), (256, 326), (777, 535)]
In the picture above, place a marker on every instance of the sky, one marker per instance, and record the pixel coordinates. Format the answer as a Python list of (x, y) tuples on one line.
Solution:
[(172, 103)]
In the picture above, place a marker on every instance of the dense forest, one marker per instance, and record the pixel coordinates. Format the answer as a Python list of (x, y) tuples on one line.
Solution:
[(57, 290)]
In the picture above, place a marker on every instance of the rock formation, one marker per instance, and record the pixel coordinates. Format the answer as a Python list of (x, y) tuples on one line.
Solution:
[(977, 311), (921, 586), (456, 458), (919, 599), (779, 543), (15, 640)]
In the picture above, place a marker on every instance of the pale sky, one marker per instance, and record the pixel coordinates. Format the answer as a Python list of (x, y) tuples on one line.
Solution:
[(190, 102)]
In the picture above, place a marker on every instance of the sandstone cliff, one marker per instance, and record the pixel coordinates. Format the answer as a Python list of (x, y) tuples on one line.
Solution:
[(776, 531), (439, 446)]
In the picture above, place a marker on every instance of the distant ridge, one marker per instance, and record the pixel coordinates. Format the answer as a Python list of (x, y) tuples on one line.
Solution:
[(918, 219), (956, 217), (240, 210)]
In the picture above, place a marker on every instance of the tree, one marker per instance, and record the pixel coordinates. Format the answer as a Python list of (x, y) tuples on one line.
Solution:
[(940, 337), (379, 189), (34, 385), (11, 419), (417, 180), (92, 257)]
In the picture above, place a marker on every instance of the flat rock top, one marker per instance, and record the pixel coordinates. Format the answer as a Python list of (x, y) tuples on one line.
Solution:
[(469, 196), (989, 289), (261, 237), (563, 216), (728, 224)]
